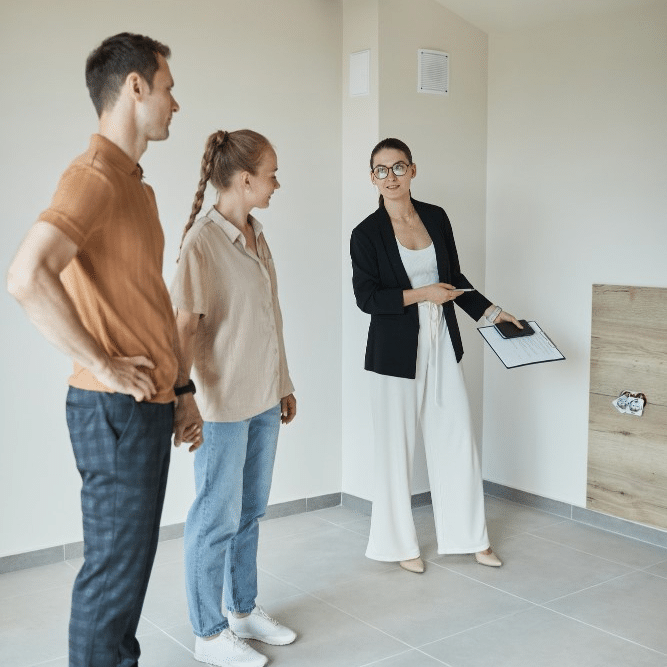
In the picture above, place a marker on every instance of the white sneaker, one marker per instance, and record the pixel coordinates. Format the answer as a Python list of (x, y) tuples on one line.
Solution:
[(260, 626), (227, 650)]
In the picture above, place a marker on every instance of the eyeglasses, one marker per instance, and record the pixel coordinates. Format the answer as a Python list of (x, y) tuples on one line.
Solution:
[(381, 172)]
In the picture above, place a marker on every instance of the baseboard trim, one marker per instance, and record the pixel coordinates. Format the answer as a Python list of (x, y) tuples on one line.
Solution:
[(63, 552), (611, 524)]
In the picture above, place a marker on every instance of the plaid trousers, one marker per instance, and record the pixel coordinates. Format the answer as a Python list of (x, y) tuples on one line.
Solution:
[(122, 451)]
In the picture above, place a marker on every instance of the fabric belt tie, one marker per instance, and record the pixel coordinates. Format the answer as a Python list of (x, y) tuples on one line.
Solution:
[(434, 325)]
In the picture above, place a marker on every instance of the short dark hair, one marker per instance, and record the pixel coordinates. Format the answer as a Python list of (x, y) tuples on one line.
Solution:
[(110, 63)]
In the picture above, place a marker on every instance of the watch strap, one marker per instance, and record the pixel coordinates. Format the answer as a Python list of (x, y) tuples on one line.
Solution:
[(188, 388)]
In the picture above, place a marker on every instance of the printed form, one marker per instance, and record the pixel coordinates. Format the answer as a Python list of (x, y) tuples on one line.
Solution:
[(524, 350)]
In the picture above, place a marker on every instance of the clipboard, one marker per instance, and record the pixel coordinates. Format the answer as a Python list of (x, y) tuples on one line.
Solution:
[(522, 351)]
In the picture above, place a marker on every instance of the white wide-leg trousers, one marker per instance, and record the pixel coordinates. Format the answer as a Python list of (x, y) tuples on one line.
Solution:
[(435, 401)]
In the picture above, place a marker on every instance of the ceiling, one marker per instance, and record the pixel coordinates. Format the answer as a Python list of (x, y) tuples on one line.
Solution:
[(508, 15)]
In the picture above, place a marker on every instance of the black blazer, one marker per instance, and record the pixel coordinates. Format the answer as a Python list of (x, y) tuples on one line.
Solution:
[(379, 278)]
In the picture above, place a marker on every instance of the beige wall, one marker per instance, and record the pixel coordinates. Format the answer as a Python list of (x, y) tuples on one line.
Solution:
[(274, 67), (577, 194), (447, 136)]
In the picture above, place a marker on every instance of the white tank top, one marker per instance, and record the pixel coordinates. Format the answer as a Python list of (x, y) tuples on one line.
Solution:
[(422, 269), (420, 265)]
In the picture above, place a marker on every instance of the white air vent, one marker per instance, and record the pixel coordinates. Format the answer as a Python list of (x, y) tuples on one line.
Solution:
[(433, 72), (360, 73)]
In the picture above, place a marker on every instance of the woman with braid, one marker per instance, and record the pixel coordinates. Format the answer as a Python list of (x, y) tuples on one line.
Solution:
[(230, 330)]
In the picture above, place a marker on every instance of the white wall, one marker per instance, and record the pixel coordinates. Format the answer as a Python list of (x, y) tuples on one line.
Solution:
[(274, 67), (360, 134), (577, 194), (447, 136)]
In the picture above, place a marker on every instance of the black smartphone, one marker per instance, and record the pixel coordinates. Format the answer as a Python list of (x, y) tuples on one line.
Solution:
[(511, 330)]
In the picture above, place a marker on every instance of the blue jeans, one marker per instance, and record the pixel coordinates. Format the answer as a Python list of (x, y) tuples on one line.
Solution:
[(122, 452), (233, 471)]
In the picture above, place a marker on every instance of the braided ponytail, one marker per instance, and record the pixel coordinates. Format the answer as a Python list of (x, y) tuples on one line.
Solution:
[(225, 154), (214, 143)]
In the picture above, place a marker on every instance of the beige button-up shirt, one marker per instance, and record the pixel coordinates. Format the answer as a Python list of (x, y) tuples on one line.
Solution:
[(240, 366)]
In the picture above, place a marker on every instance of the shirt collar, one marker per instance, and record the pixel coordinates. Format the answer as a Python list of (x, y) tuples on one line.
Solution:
[(231, 230), (114, 154)]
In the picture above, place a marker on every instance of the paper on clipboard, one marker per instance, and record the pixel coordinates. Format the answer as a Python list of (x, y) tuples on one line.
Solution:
[(522, 351)]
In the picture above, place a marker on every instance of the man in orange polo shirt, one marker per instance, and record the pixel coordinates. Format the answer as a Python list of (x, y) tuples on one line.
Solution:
[(89, 275)]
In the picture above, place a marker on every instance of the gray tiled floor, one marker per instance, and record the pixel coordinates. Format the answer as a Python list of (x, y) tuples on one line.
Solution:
[(568, 596)]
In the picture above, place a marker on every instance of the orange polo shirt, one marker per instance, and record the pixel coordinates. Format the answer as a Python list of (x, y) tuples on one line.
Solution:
[(115, 280)]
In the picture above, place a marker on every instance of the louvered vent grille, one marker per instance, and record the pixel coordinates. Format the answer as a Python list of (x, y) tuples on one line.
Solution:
[(433, 72)]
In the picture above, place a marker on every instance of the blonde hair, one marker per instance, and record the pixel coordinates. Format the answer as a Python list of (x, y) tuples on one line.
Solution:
[(225, 154)]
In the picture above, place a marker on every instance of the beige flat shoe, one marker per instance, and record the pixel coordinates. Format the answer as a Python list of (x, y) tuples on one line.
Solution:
[(490, 559), (413, 565)]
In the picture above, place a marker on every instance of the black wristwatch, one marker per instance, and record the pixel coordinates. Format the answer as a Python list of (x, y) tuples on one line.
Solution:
[(188, 388)]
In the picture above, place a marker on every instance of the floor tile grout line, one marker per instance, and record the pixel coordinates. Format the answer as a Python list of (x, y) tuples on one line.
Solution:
[(531, 532), (342, 611), (338, 583), (539, 604), (529, 507), (606, 632), (277, 601), (148, 620), (476, 627), (360, 517), (340, 525), (70, 564), (46, 662), (396, 655), (361, 620), (619, 534), (354, 532), (447, 664), (310, 593), (608, 531), (381, 660), (588, 588), (601, 583), (297, 533), (509, 534), (418, 648), (356, 618), (588, 553), (284, 537), (166, 634), (37, 591), (653, 574), (484, 583), (317, 597)]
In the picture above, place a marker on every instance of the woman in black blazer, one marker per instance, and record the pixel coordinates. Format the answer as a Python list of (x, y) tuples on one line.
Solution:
[(406, 275)]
